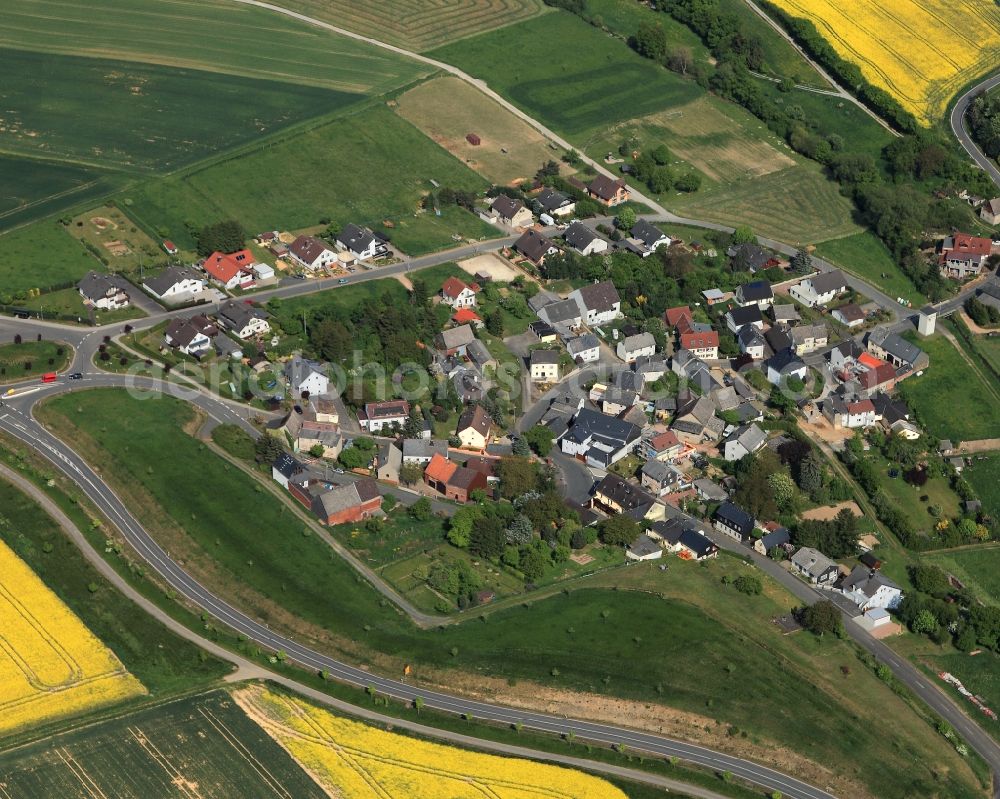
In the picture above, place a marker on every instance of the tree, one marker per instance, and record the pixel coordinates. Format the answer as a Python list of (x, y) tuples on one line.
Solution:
[(267, 448), (821, 618), (519, 446), (359, 455), (680, 59), (487, 538), (811, 474), (533, 564), (225, 237), (520, 531), (801, 262), (661, 154), (460, 526), (929, 579), (411, 473), (650, 40), (625, 219), (782, 489), (414, 424), (744, 235), (540, 439), (925, 622), (618, 531), (518, 476), (494, 322), (317, 450), (420, 510), (748, 584), (688, 182)]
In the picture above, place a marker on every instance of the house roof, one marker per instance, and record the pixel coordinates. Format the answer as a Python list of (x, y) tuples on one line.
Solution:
[(237, 315), (734, 516), (587, 341), (700, 408), (851, 312), (578, 236), (626, 495), (898, 347), (182, 332), (661, 472), (552, 200), (386, 410), (533, 245), (967, 244), (749, 335), (454, 286), (756, 290), (696, 341), (96, 286), (647, 233), (455, 337), (867, 581), (750, 437), (643, 546), (697, 543), (171, 276), (804, 332), (638, 342), (506, 206), (776, 538), (826, 282), (812, 561), (745, 315), (601, 296), (669, 529), (345, 497), (663, 441), (604, 187), (881, 374), (307, 248), (479, 352), (609, 429), (424, 448), (465, 316), (561, 311), (785, 313), (674, 315), (751, 255), (356, 238), (546, 357), (710, 489), (225, 266), (475, 418), (785, 362), (440, 469), (286, 465)]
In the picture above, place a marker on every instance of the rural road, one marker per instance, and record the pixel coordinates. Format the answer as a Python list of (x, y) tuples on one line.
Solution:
[(957, 121), (246, 669), (21, 424)]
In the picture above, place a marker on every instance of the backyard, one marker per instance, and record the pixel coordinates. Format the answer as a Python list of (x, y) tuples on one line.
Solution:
[(984, 476)]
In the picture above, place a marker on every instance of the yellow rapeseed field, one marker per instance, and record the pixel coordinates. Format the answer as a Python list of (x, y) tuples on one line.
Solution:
[(50, 664), (355, 761), (920, 51)]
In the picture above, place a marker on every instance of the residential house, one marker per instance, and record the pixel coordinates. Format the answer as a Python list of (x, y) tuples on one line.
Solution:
[(875, 375), (543, 366), (784, 365), (243, 320), (849, 314), (466, 316), (631, 348), (695, 546), (663, 446), (649, 369), (191, 336), (787, 315), (456, 340), (544, 332), (819, 289), (751, 258), (649, 235), (808, 338), (585, 348), (225, 347), (696, 421), (897, 350), (345, 504), (709, 490), (963, 255), (662, 478), (105, 292), (584, 240), (816, 567), (286, 470), (361, 243), (456, 293), (535, 247), (230, 270), (744, 440), (990, 211), (608, 191), (480, 355), (643, 548), (174, 282), (859, 414), (733, 521), (673, 317), (868, 588), (555, 203), (598, 439), (388, 462), (511, 212), (989, 294), (704, 345), (845, 354), (751, 342), (313, 427), (455, 482), (757, 293), (779, 537), (262, 272), (312, 253), (377, 416), (617, 401), (614, 495), (740, 317), (562, 312), (599, 303), (306, 376), (474, 426), (421, 450)]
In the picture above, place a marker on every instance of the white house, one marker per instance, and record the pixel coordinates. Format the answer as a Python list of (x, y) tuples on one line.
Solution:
[(107, 292), (456, 293), (644, 548), (757, 293), (244, 320), (312, 253), (544, 366), (585, 348), (870, 589), (304, 375), (584, 240), (286, 469), (850, 414), (375, 416), (174, 282), (814, 566), (263, 272), (819, 289), (190, 336), (598, 439), (361, 243), (744, 440), (634, 347), (651, 237), (555, 203), (751, 342), (599, 303), (849, 314), (808, 338), (784, 365)]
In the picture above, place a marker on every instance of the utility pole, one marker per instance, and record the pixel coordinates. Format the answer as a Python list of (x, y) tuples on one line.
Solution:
[(305, 330)]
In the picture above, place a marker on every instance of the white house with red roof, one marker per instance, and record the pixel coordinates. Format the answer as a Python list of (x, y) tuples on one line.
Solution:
[(456, 293), (963, 255), (231, 270)]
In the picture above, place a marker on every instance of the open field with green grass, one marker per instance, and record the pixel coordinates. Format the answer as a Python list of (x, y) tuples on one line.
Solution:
[(205, 743), (862, 254), (989, 348), (31, 358), (584, 640), (950, 399), (447, 109), (978, 569), (984, 476), (211, 35), (69, 303), (938, 491), (596, 83), (363, 168), (176, 116), (418, 26), (41, 255)]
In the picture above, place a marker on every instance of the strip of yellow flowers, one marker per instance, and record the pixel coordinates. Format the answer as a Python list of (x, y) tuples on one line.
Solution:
[(50, 663), (355, 761), (920, 51)]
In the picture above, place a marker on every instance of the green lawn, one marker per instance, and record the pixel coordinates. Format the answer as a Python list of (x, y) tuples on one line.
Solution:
[(31, 358), (984, 476), (594, 83), (989, 348), (23, 265), (978, 569), (363, 168), (693, 649), (937, 489), (862, 254), (419, 235), (950, 399), (69, 302)]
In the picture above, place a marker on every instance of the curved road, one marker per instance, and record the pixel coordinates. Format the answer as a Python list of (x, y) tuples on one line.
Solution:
[(17, 420), (957, 121)]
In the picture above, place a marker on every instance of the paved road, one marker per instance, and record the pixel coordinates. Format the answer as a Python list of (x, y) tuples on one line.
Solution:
[(957, 121), (20, 424)]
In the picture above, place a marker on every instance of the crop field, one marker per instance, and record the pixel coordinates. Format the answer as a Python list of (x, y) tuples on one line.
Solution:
[(363, 168), (898, 45), (951, 399), (446, 109), (203, 746), (50, 664), (355, 761), (864, 255), (418, 24), (23, 267), (212, 35), (984, 475), (594, 84), (176, 116)]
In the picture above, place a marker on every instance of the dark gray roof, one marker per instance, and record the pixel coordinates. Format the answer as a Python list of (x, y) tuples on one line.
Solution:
[(600, 426), (533, 245), (643, 545), (286, 465), (735, 517), (236, 315), (562, 311), (356, 238), (579, 236), (750, 336), (626, 495), (506, 206), (756, 290), (552, 200), (647, 232), (828, 281), (747, 315), (96, 286), (785, 361), (900, 348), (171, 276), (544, 357), (776, 539), (582, 343), (697, 543)]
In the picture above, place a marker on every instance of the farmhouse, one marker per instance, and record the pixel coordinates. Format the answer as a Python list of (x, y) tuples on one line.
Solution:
[(897, 350), (455, 482), (535, 247), (376, 416), (584, 240), (474, 426), (456, 293), (963, 255), (555, 203), (599, 303), (106, 292), (631, 348), (819, 289), (609, 191), (175, 282), (230, 270), (244, 320), (361, 243), (312, 253), (543, 366)]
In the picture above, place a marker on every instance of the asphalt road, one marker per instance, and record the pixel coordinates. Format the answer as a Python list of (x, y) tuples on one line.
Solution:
[(957, 121), (16, 420)]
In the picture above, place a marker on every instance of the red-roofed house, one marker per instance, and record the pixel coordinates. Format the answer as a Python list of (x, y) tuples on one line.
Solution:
[(458, 294), (673, 316), (702, 345), (454, 481), (439, 472), (662, 446), (963, 255), (879, 378), (466, 316), (869, 361), (230, 270), (850, 415)]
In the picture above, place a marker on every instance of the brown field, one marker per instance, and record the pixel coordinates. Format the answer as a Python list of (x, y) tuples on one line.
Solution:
[(496, 266), (446, 109)]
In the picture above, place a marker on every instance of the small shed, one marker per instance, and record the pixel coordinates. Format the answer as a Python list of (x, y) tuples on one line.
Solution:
[(473, 139)]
